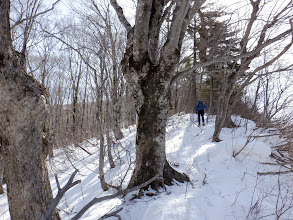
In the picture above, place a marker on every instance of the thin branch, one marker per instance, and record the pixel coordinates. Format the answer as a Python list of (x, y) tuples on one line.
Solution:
[(57, 182), (35, 16), (71, 47)]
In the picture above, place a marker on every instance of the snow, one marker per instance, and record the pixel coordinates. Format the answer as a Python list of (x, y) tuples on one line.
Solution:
[(222, 187)]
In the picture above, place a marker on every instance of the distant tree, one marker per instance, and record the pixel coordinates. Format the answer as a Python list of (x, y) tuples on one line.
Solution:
[(212, 37), (102, 28), (23, 115), (274, 97)]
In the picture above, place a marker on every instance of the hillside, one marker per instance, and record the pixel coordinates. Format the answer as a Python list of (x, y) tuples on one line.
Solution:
[(222, 186)]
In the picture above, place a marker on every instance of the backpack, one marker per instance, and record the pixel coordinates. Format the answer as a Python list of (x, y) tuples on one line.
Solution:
[(200, 106)]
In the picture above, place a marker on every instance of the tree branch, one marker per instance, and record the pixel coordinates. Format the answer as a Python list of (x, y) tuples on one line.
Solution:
[(123, 192), (61, 193), (274, 173), (184, 73), (36, 15), (73, 48), (120, 15), (114, 213)]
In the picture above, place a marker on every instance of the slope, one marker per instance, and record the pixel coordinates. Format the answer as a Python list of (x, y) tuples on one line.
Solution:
[(223, 185)]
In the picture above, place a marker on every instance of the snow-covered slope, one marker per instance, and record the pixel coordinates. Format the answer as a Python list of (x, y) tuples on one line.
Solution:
[(222, 186)]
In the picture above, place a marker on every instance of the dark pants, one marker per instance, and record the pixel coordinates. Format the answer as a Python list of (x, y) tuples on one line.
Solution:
[(200, 113)]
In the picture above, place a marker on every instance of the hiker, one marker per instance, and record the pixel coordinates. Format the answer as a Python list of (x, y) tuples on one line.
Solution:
[(200, 106)]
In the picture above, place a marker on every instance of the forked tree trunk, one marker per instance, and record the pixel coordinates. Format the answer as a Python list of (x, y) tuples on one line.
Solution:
[(23, 114), (227, 83), (149, 68)]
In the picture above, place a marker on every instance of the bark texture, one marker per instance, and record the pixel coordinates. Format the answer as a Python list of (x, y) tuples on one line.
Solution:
[(23, 114), (1, 177)]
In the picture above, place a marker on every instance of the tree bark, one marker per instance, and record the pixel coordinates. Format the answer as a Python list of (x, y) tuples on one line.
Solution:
[(1, 176), (23, 114)]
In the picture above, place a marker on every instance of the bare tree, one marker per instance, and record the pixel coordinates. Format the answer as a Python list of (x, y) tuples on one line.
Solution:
[(232, 72), (100, 82), (148, 66), (103, 28), (23, 115)]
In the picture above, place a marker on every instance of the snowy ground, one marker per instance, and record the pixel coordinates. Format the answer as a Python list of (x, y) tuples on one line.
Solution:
[(223, 187)]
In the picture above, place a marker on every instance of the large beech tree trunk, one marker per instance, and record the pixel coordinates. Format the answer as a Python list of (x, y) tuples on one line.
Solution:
[(23, 114), (149, 69), (150, 139)]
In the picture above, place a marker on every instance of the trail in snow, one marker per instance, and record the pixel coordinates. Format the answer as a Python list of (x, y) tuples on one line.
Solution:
[(222, 187)]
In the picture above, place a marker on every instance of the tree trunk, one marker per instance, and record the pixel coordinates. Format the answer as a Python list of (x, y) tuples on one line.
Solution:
[(99, 117), (109, 141), (102, 147), (227, 82), (211, 106), (220, 117), (23, 114), (192, 98), (115, 96), (1, 176), (150, 137), (149, 68), (228, 121)]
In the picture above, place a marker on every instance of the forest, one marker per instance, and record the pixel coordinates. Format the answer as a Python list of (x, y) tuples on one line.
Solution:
[(76, 71)]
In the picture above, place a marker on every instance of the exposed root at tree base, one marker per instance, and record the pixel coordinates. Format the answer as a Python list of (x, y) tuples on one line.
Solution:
[(171, 174), (217, 140)]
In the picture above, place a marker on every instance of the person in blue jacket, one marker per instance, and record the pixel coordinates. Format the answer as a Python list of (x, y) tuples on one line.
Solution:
[(200, 106)]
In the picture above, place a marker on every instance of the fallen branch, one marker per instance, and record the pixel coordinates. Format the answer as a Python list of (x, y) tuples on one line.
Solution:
[(123, 192), (274, 173), (266, 135), (282, 159), (114, 213), (248, 140), (83, 149), (61, 193)]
